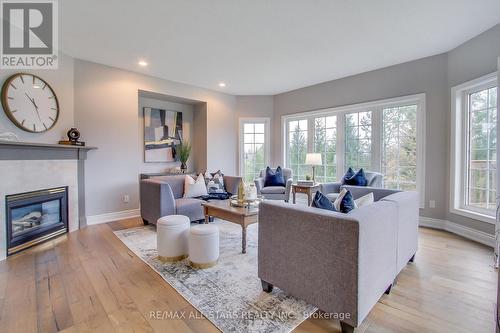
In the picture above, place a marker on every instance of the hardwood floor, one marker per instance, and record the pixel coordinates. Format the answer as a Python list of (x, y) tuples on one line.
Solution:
[(88, 281)]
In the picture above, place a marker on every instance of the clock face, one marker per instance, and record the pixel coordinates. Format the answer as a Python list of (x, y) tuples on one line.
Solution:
[(30, 103)]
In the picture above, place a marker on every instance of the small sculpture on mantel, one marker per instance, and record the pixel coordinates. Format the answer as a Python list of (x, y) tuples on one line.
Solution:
[(73, 136)]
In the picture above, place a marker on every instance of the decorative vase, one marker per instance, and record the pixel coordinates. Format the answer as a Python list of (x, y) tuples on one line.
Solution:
[(241, 192), (183, 167)]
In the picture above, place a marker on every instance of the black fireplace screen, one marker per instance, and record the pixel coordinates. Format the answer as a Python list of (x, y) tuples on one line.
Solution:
[(34, 217)]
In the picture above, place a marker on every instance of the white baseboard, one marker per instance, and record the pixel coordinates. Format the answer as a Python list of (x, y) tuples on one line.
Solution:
[(109, 217), (455, 228)]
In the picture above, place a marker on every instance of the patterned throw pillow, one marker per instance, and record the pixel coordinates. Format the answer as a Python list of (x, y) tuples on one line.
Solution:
[(215, 182)]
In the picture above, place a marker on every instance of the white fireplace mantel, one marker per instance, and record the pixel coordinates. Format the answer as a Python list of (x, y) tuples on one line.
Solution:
[(28, 167)]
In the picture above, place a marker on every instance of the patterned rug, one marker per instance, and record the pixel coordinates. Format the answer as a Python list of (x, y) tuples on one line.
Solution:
[(229, 294)]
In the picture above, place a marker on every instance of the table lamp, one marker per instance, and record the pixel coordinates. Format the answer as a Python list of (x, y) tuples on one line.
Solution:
[(313, 159)]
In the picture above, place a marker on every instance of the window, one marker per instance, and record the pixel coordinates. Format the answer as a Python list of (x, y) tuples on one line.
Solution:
[(358, 140), (297, 147), (385, 136), (399, 147), (474, 148), (481, 141), (325, 141), (254, 147)]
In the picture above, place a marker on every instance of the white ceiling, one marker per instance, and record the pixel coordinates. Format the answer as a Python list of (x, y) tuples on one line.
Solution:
[(263, 46)]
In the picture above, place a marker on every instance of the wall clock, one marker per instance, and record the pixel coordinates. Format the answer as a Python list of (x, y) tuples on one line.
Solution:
[(30, 102)]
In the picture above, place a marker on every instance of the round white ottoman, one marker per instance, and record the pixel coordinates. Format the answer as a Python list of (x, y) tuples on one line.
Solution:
[(172, 237), (203, 245)]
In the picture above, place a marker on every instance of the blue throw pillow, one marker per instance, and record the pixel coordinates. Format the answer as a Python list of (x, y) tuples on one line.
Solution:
[(321, 201), (358, 179), (274, 178), (347, 204), (348, 175)]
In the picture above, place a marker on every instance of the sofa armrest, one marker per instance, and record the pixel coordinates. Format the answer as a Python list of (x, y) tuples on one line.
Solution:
[(288, 189), (311, 254), (157, 200), (408, 216), (378, 224), (259, 184), (330, 187), (378, 193), (231, 183)]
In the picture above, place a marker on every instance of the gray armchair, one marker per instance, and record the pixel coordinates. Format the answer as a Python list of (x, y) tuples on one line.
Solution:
[(332, 190), (275, 192)]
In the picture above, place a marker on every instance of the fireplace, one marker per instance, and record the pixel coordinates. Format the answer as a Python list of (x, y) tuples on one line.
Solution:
[(34, 217)]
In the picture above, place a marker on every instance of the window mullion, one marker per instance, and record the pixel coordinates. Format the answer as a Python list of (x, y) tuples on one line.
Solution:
[(340, 144), (377, 134)]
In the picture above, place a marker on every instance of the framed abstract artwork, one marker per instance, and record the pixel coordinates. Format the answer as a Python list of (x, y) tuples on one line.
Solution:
[(162, 134)]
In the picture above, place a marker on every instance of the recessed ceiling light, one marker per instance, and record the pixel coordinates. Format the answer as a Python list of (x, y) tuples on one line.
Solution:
[(222, 84), (142, 63)]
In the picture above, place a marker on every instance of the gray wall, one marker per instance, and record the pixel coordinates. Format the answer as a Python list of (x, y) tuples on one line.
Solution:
[(471, 60), (433, 76), (426, 75), (106, 112), (61, 80)]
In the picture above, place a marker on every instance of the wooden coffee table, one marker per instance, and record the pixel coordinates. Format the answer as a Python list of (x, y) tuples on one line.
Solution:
[(239, 215)]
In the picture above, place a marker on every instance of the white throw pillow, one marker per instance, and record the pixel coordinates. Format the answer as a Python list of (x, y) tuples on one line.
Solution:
[(365, 200), (337, 201), (194, 188)]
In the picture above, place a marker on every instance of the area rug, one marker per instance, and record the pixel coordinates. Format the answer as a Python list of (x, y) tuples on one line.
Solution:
[(229, 294)]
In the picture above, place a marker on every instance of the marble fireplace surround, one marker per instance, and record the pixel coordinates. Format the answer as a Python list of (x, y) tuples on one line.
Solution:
[(28, 167)]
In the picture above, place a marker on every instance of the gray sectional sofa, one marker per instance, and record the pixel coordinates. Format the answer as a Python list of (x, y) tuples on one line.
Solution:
[(162, 195), (341, 263)]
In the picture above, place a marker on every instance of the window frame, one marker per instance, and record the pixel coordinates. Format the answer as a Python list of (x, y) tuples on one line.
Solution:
[(377, 136), (459, 147), (241, 151)]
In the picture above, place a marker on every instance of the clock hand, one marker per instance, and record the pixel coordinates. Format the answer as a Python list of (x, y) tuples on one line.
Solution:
[(34, 104), (38, 114), (31, 100)]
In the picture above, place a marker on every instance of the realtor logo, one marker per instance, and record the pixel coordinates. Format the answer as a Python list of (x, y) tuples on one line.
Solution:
[(29, 34)]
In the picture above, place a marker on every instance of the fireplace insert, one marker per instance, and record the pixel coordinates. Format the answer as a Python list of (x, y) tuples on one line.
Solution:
[(34, 217)]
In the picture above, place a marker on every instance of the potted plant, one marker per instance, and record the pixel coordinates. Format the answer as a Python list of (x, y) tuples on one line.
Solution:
[(184, 151)]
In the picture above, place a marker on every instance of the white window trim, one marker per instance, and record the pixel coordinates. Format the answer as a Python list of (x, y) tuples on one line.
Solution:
[(376, 106), (267, 136), (458, 147)]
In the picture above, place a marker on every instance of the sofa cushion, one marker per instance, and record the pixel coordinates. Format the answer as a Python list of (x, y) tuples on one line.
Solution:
[(332, 196), (189, 207), (321, 201), (274, 178), (273, 190)]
